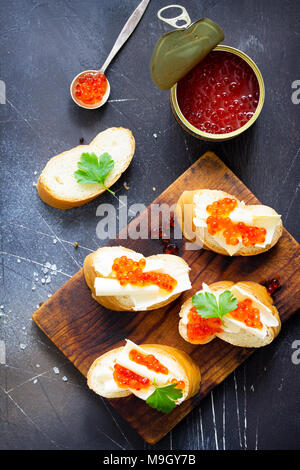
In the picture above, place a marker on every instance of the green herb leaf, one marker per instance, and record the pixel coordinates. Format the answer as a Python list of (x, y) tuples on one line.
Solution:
[(164, 398), (92, 169), (206, 303), (227, 302), (208, 307)]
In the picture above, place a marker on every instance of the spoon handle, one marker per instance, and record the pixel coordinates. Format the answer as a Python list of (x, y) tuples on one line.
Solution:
[(127, 30)]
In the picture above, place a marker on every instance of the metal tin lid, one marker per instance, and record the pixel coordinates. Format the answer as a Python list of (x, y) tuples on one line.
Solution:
[(177, 52)]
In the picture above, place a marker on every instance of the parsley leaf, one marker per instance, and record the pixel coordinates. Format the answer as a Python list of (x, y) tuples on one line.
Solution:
[(208, 307), (92, 169), (164, 398)]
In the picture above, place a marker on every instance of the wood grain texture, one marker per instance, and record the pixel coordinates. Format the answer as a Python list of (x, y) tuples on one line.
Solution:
[(83, 330)]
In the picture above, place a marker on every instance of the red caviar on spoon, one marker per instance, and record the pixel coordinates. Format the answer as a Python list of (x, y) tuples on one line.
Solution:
[(90, 89)]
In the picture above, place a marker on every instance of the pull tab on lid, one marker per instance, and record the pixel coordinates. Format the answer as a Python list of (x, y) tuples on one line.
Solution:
[(181, 21), (177, 52)]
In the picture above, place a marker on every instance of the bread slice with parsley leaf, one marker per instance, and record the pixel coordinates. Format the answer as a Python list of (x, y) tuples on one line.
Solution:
[(160, 375), (218, 302), (79, 175)]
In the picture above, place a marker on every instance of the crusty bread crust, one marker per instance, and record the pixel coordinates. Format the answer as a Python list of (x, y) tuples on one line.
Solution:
[(108, 356), (243, 338), (113, 302), (185, 213), (187, 369), (50, 197)]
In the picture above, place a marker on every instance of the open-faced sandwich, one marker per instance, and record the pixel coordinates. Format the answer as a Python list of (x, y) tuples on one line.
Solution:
[(161, 375), (121, 279), (77, 176), (242, 314), (222, 223)]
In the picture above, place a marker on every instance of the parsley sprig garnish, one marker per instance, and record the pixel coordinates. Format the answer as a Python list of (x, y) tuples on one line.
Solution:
[(164, 398), (92, 169), (208, 306)]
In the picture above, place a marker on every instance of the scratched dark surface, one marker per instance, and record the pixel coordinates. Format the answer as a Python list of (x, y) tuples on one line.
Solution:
[(43, 44)]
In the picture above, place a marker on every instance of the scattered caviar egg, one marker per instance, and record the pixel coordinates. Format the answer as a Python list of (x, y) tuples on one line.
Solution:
[(272, 285), (125, 378), (219, 221), (246, 313), (199, 328), (89, 88), (127, 271), (220, 94), (148, 360), (171, 249)]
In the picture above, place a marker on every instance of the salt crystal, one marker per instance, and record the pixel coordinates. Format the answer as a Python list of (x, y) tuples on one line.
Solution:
[(54, 267), (49, 295), (37, 365), (48, 265), (54, 240), (2, 307), (45, 270), (155, 136), (48, 279), (56, 370), (154, 188), (23, 346), (35, 172), (43, 281), (33, 288), (18, 260), (23, 327), (64, 378), (35, 381)]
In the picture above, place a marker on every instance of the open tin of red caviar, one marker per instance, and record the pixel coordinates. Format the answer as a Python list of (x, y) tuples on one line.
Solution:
[(217, 91)]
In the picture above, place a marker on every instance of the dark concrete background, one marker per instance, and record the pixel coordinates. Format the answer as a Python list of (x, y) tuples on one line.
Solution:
[(43, 44)]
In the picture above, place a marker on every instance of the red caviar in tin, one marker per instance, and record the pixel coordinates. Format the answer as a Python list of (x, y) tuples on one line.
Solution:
[(148, 360), (125, 378), (131, 272), (90, 87), (219, 221), (220, 94)]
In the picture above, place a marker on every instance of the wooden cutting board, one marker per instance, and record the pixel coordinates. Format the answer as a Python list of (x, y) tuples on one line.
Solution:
[(83, 330)]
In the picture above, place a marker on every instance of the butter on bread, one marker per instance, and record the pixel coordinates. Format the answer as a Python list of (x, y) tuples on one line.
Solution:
[(235, 332), (98, 266), (57, 185), (190, 213)]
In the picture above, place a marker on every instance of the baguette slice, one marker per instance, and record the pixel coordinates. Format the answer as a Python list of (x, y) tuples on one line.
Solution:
[(57, 185), (242, 338), (182, 366), (186, 211), (125, 302)]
